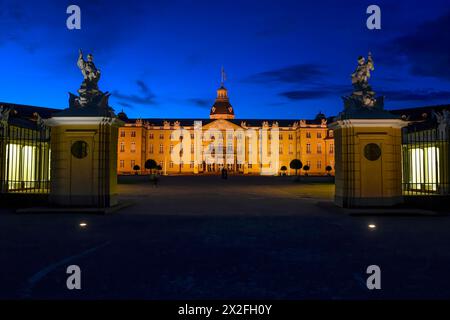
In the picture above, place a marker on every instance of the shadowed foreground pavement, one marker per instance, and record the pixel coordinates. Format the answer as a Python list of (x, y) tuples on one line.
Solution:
[(202, 237)]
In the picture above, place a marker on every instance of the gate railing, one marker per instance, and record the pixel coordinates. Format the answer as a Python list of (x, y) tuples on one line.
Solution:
[(24, 157), (425, 160)]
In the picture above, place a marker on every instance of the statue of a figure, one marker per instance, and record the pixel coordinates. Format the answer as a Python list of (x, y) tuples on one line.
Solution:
[(89, 93), (90, 72), (363, 96), (39, 121), (443, 120), (360, 78), (4, 115)]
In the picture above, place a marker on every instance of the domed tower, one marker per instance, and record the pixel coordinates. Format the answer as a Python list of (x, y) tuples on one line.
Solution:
[(320, 116), (222, 109), (122, 116)]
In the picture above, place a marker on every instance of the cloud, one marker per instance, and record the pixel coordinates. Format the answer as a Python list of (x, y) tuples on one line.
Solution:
[(204, 103), (302, 94), (316, 92), (416, 95), (144, 88), (146, 97), (298, 73), (426, 95), (426, 50), (125, 105)]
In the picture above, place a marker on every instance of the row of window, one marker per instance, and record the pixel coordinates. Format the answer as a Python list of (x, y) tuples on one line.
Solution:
[(230, 136), (319, 148), (229, 148)]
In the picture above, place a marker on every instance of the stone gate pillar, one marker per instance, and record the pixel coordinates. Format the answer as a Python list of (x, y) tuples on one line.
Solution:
[(368, 141), (83, 161), (368, 162), (84, 146)]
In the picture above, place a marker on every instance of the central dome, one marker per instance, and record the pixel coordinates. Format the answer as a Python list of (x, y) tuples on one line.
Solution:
[(222, 109)]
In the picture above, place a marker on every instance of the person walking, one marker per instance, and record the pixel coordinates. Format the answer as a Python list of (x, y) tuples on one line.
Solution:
[(154, 179)]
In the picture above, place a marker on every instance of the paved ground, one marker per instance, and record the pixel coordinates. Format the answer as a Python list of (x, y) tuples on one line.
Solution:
[(202, 237)]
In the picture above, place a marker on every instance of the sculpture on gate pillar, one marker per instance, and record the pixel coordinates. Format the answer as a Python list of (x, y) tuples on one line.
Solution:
[(89, 93), (363, 97), (368, 146), (84, 139)]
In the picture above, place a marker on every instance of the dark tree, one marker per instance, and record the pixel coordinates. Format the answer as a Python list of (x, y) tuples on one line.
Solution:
[(306, 168), (136, 168), (328, 169), (296, 165), (283, 169), (150, 164)]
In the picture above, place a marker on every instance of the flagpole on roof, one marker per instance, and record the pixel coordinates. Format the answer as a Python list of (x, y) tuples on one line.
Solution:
[(224, 76)]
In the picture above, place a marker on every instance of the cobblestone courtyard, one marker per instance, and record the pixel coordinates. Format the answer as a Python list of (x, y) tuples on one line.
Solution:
[(203, 237)]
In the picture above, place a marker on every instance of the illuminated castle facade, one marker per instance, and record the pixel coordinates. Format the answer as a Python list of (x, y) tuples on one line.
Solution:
[(202, 146)]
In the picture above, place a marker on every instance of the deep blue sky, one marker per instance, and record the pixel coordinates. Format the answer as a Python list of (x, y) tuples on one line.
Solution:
[(284, 59)]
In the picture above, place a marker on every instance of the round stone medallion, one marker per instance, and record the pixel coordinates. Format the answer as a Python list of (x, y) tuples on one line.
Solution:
[(372, 152), (79, 149)]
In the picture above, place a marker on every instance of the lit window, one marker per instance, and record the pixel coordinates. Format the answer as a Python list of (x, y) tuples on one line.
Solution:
[(308, 134), (331, 148), (161, 148), (133, 134), (319, 164), (133, 147), (161, 136), (424, 173), (122, 134), (319, 148), (151, 148), (308, 148), (319, 135), (122, 147), (151, 136), (122, 164)]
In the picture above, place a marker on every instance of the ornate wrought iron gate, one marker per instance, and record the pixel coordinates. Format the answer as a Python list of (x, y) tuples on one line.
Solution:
[(425, 159), (24, 156)]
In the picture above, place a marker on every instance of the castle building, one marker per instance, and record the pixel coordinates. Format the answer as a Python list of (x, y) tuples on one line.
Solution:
[(246, 146), (25, 144)]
